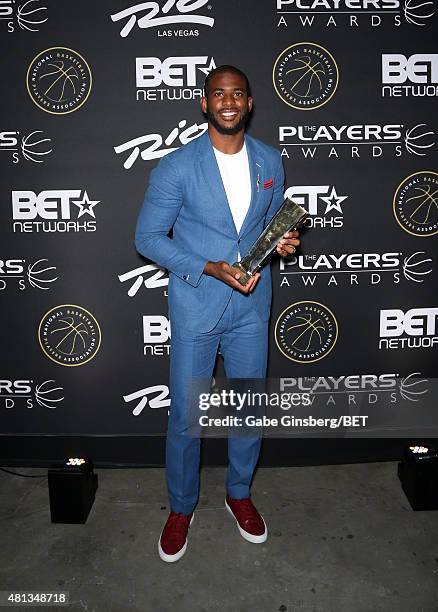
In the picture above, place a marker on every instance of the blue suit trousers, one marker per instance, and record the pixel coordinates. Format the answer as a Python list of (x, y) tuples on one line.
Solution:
[(242, 338)]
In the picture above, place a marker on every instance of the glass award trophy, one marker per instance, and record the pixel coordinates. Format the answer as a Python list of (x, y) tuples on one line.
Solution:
[(288, 217)]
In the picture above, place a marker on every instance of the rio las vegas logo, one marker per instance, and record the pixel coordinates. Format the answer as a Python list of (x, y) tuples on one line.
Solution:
[(171, 13), (354, 13), (149, 276), (154, 146), (156, 396)]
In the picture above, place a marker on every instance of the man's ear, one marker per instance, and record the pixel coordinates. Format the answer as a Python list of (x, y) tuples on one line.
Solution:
[(250, 103), (204, 104)]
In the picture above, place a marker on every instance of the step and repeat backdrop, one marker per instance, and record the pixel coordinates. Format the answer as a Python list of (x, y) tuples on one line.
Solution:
[(95, 93)]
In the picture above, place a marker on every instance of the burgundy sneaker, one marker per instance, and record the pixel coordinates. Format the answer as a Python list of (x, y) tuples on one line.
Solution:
[(250, 523), (173, 540)]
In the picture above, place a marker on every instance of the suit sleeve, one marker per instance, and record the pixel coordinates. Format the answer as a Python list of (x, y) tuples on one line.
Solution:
[(277, 196), (161, 205)]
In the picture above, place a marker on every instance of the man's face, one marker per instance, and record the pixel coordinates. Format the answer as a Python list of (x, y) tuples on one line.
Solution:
[(227, 104)]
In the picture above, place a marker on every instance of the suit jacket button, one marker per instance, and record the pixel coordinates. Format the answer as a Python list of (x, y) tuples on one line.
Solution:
[(185, 277), (238, 242)]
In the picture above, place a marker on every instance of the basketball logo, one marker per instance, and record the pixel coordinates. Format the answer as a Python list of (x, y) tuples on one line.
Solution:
[(30, 16), (35, 148), (40, 276), (415, 204), (305, 76), (306, 331), (59, 80), (69, 335)]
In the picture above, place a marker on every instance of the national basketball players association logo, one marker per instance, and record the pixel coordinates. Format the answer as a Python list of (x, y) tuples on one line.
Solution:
[(69, 335), (306, 332), (415, 204), (305, 76), (59, 80)]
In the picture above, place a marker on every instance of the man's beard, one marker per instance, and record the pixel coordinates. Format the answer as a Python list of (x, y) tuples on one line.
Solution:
[(228, 130)]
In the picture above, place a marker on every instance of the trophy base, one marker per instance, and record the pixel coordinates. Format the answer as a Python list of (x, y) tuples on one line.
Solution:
[(244, 274)]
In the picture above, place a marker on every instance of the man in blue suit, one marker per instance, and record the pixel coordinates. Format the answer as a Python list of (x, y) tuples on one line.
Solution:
[(216, 194)]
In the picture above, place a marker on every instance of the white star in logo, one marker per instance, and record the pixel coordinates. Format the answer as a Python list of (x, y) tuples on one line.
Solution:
[(333, 201), (86, 205), (208, 68)]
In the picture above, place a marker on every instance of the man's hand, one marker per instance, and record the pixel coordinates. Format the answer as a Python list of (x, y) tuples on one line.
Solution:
[(287, 245), (224, 272)]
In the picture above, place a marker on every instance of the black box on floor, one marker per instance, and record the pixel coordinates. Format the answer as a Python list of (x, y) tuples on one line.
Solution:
[(418, 473), (72, 489)]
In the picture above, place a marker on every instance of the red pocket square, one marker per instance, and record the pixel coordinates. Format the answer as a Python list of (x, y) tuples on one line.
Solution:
[(268, 184)]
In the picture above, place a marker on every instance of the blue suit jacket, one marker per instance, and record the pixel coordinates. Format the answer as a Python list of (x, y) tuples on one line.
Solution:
[(186, 194)]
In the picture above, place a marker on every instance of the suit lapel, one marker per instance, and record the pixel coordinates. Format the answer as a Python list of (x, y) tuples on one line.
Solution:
[(256, 176), (213, 180)]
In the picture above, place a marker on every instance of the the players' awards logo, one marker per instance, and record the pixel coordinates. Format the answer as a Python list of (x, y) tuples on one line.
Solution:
[(415, 204), (69, 335), (59, 80), (306, 331), (32, 146), (305, 76), (39, 274), (22, 392)]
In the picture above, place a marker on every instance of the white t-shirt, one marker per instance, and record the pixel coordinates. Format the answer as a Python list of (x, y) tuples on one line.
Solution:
[(235, 175)]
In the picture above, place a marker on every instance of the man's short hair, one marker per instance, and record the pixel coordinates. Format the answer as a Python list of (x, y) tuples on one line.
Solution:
[(222, 69)]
